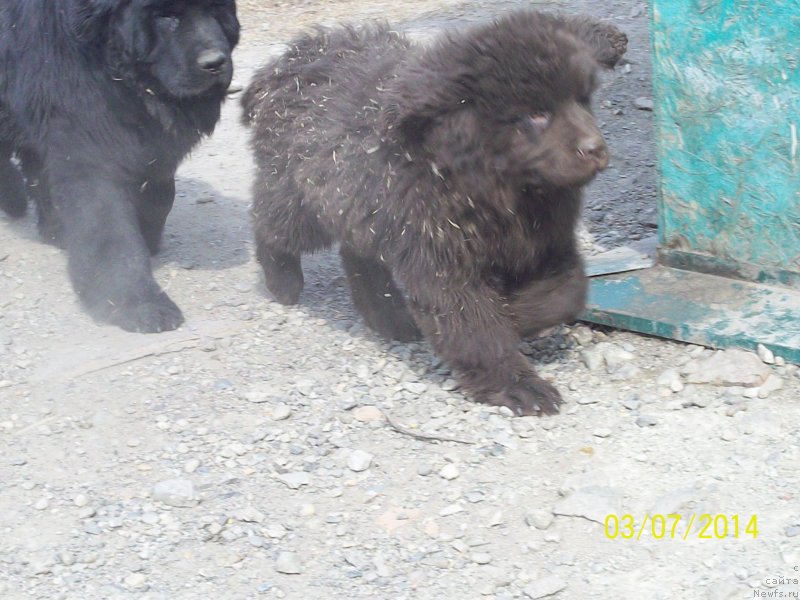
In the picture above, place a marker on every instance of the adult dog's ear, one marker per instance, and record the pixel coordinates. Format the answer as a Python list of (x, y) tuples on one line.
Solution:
[(92, 19), (608, 44)]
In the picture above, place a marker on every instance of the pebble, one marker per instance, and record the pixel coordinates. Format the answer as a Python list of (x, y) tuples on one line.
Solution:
[(540, 519), (646, 421), (281, 412), (449, 472), (288, 563), (547, 586), (359, 461), (41, 504), (481, 558), (424, 470), (792, 531), (643, 103), (295, 479), (602, 432), (415, 387), (135, 581), (728, 368), (592, 502), (451, 510), (175, 492), (765, 354), (191, 465), (368, 414)]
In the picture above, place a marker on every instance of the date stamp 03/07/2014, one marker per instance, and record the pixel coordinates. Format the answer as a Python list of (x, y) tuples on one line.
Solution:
[(702, 526)]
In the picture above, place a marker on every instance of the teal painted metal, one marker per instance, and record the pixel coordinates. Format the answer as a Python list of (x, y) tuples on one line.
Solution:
[(726, 79), (726, 84), (699, 308)]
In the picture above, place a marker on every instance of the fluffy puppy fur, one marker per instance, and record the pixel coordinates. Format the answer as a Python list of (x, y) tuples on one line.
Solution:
[(451, 172), (99, 102)]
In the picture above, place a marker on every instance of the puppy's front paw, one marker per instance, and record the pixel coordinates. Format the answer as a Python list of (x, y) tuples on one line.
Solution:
[(531, 395)]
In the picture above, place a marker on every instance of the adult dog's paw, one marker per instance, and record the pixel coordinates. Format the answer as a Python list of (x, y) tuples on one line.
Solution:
[(151, 315)]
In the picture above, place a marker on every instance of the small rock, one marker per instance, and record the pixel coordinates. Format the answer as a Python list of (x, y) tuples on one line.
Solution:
[(592, 358), (728, 435), (295, 479), (772, 384), (593, 502), (547, 586), (288, 563), (646, 421), (449, 472), (643, 103), (424, 470), (191, 465), (41, 504), (368, 414), (81, 500), (281, 412), (451, 510), (765, 354), (602, 432), (135, 581), (415, 387), (481, 558), (728, 368), (359, 461), (175, 492), (792, 531), (540, 519)]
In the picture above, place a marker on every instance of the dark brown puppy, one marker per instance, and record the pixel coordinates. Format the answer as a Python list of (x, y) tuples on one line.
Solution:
[(454, 171)]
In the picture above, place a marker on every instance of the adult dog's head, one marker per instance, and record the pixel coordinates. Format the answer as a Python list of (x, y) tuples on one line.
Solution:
[(509, 101), (176, 48)]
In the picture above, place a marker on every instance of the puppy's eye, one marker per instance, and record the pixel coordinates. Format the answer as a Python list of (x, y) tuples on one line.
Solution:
[(539, 121)]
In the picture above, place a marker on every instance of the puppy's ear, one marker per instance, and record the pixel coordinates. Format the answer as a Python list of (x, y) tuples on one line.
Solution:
[(419, 96), (608, 44)]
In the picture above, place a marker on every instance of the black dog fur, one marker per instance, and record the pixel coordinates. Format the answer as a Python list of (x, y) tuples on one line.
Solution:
[(99, 102), (454, 171)]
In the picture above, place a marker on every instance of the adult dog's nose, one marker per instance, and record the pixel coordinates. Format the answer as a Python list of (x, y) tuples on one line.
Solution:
[(212, 60), (594, 148)]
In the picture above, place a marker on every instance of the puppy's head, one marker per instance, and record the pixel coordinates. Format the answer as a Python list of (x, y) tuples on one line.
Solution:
[(507, 101), (177, 48)]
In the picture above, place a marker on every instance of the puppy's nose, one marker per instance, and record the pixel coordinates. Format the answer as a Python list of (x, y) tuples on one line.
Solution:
[(594, 148), (212, 60)]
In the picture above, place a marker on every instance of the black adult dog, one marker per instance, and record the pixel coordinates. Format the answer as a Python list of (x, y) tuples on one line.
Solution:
[(455, 170), (99, 102)]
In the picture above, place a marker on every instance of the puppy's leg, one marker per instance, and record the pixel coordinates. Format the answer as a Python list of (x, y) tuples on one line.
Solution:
[(153, 203), (377, 298), (12, 188), (284, 231), (108, 260), (470, 328), (283, 272), (546, 303)]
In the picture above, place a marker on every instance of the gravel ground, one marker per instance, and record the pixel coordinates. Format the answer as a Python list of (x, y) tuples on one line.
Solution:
[(271, 452)]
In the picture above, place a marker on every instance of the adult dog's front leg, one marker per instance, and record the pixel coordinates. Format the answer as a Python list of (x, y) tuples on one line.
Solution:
[(109, 262), (154, 201), (470, 328)]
